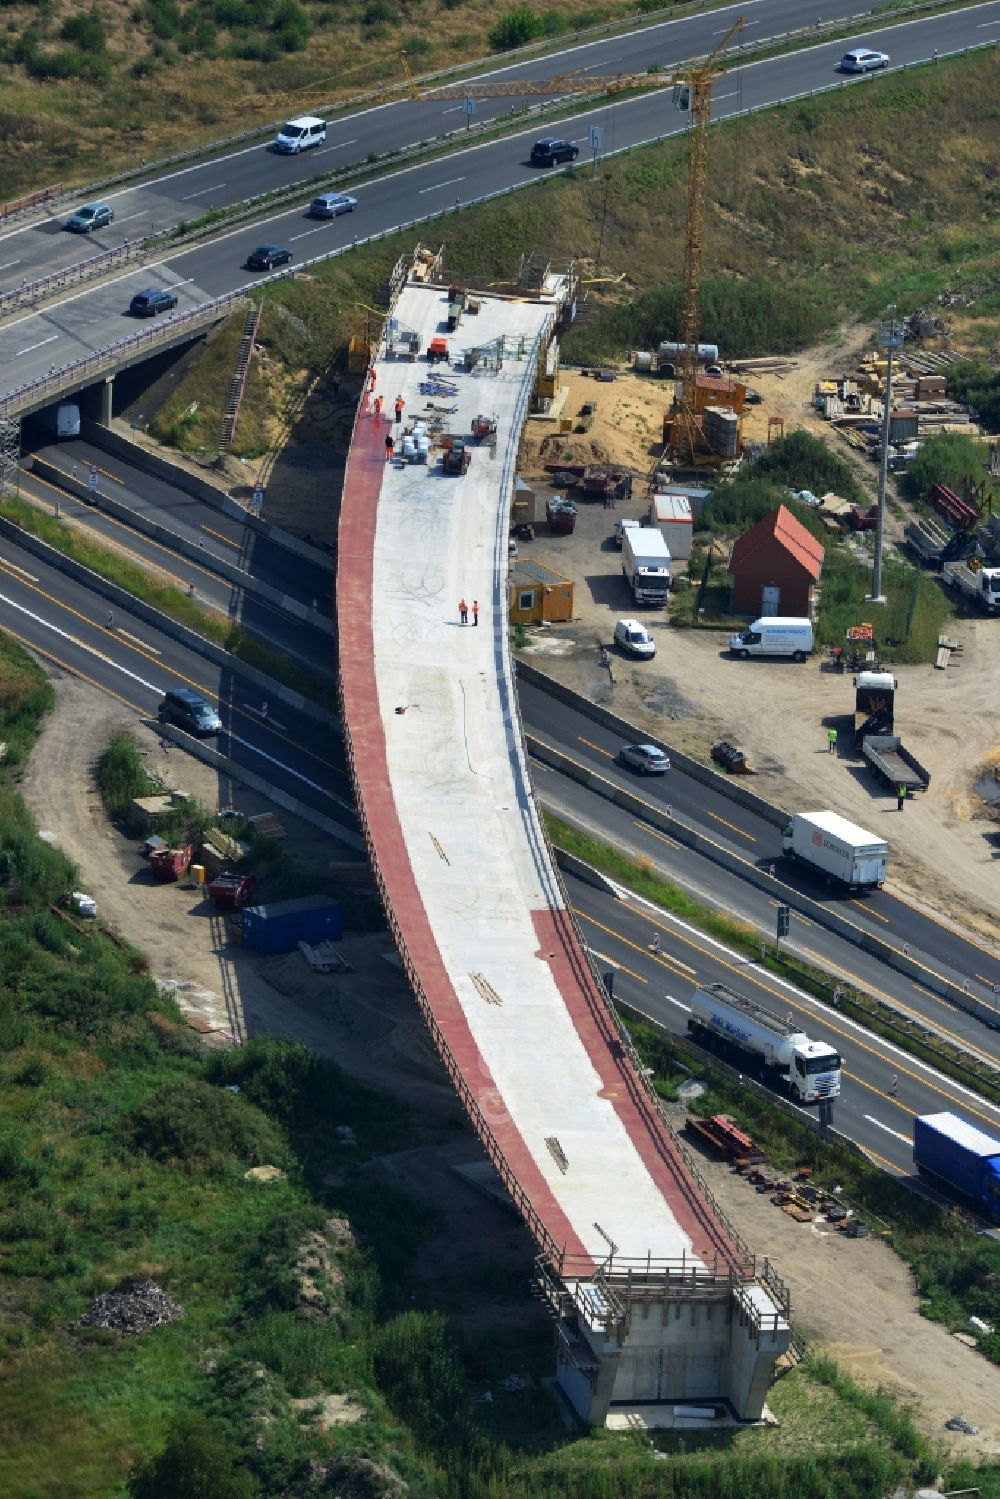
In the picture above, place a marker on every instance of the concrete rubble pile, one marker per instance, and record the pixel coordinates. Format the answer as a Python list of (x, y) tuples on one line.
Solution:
[(136, 1305)]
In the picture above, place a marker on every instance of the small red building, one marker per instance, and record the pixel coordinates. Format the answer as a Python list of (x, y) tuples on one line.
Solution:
[(774, 567)]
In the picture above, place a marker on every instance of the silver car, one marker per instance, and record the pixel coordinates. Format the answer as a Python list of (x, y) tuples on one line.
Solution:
[(90, 216), (646, 758), (332, 205)]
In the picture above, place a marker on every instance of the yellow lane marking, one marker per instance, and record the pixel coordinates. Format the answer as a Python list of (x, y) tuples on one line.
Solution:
[(655, 833), (928, 915), (236, 545), (731, 825), (664, 959), (869, 912), (40, 650), (747, 975), (144, 653), (608, 754)]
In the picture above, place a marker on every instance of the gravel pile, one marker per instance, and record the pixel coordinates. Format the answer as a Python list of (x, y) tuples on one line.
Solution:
[(137, 1305)]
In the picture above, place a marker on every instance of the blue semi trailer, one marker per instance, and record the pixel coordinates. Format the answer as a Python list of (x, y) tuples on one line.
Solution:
[(962, 1158)]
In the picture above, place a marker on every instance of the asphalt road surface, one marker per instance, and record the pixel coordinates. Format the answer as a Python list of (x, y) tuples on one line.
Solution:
[(873, 1110), (888, 916), (95, 316)]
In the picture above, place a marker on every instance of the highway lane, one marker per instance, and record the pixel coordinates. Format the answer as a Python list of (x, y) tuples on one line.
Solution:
[(209, 529), (722, 891), (93, 317), (312, 647), (879, 1119), (886, 914), (124, 655), (236, 175)]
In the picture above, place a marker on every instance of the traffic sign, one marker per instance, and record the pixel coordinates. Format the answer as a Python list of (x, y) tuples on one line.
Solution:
[(93, 478), (596, 138)]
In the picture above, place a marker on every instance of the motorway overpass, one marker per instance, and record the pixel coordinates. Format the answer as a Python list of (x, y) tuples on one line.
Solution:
[(657, 1302)]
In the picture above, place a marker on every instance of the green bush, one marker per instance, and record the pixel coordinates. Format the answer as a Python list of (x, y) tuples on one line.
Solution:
[(948, 458), (192, 1124), (121, 775), (516, 28), (198, 1462), (85, 32), (979, 386), (418, 1367)]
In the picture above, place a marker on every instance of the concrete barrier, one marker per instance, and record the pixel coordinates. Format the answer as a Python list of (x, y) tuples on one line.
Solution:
[(217, 761), (137, 521), (162, 622), (162, 468), (693, 838)]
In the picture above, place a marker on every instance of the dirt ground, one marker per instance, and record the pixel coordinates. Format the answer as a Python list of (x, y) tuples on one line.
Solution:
[(946, 845), (879, 1335)]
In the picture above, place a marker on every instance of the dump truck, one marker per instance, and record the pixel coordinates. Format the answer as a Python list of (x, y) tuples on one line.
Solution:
[(646, 565), (892, 762), (976, 582), (837, 848), (962, 1159), (738, 1027)]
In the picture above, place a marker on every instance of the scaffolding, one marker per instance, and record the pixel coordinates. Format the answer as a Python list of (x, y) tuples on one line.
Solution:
[(10, 456)]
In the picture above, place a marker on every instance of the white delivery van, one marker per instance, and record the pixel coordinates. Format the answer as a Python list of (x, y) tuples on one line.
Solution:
[(633, 638), (774, 636), (622, 525), (62, 420), (299, 134)]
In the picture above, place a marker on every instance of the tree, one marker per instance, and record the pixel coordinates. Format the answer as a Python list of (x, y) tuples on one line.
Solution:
[(948, 458), (198, 1462), (515, 28)]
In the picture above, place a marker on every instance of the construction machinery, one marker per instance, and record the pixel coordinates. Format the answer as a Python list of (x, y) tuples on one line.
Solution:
[(692, 92)]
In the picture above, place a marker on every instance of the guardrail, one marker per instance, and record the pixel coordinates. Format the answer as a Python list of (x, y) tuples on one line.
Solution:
[(30, 293), (21, 205)]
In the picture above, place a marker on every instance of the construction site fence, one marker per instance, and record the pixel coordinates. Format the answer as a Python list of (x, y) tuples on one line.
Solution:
[(15, 206)]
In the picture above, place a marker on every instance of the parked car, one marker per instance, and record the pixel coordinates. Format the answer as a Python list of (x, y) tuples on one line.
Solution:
[(645, 758), (266, 257), (188, 710), (90, 216), (149, 303), (634, 639), (863, 60), (549, 150), (331, 205)]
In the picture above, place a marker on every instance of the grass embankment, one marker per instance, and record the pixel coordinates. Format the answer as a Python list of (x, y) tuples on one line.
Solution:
[(637, 873), (123, 1150), (170, 600)]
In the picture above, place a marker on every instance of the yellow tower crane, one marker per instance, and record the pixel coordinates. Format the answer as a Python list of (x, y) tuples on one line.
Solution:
[(692, 91)]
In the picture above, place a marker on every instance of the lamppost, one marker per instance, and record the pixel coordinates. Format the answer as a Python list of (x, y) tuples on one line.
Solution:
[(890, 336)]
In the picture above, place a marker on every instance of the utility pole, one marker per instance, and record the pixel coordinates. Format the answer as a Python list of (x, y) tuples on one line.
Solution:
[(890, 337)]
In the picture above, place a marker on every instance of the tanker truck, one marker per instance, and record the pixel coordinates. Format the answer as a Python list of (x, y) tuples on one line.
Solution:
[(742, 1031)]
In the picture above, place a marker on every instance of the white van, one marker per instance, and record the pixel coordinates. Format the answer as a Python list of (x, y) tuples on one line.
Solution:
[(621, 526), (299, 134), (634, 639), (62, 420), (774, 636)]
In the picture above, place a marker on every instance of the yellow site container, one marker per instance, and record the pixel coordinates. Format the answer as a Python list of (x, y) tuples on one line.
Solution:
[(198, 870)]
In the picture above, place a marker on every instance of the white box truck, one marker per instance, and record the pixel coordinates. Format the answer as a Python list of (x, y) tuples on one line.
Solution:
[(837, 848), (670, 514), (774, 636), (646, 565), (979, 584), (739, 1028)]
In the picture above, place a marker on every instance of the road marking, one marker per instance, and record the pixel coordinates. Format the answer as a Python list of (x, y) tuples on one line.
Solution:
[(202, 191), (718, 98), (868, 910), (963, 936), (608, 754), (9, 265), (618, 967), (124, 635), (683, 970), (40, 345), (237, 545), (677, 1002), (983, 980), (732, 826), (306, 232), (439, 185), (888, 1129), (663, 837), (20, 571)]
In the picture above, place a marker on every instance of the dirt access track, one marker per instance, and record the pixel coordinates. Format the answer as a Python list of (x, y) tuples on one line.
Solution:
[(945, 847)]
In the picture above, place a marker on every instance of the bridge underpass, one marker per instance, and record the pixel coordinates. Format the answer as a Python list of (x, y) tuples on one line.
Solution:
[(658, 1303)]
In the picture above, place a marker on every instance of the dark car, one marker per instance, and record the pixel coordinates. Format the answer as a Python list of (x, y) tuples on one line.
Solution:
[(90, 216), (266, 257), (148, 303), (647, 758), (545, 153), (188, 710)]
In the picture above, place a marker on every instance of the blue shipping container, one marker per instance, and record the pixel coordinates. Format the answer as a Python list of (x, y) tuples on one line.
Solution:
[(281, 925)]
